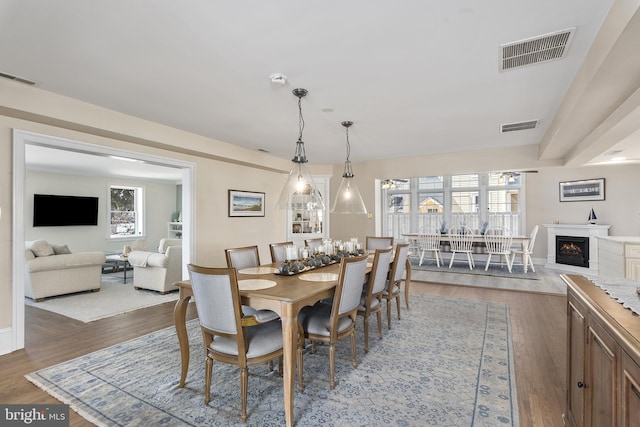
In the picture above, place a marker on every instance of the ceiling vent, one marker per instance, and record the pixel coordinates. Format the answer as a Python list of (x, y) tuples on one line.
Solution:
[(17, 79), (535, 50), (512, 127)]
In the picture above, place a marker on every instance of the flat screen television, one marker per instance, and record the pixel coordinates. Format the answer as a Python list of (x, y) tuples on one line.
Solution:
[(51, 210)]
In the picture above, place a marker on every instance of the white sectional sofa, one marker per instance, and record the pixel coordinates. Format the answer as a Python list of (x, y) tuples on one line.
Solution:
[(53, 270)]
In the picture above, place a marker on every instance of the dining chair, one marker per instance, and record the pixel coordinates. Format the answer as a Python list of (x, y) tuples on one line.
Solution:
[(330, 323), (372, 243), (497, 241), (278, 252), (461, 241), (313, 244), (229, 336), (371, 299), (429, 241), (244, 257), (526, 251), (392, 288)]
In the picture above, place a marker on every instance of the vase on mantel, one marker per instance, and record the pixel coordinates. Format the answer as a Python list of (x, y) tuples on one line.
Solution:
[(592, 217)]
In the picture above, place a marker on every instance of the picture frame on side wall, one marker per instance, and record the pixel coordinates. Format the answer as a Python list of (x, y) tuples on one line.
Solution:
[(582, 191), (246, 203)]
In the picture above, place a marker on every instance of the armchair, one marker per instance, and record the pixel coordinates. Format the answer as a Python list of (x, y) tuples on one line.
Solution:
[(158, 271)]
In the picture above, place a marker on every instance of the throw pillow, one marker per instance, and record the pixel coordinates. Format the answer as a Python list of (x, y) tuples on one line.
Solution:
[(41, 248), (61, 249)]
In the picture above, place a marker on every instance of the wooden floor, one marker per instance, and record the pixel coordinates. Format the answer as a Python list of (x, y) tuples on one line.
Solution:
[(537, 325)]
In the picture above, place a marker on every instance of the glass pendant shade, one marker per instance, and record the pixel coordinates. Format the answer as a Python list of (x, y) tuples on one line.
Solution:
[(348, 199), (299, 181)]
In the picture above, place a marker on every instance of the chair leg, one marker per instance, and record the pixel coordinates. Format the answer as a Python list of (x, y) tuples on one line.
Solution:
[(353, 348), (530, 261), (398, 305), (453, 255), (508, 260), (207, 381), (379, 316), (332, 366), (470, 260), (388, 313), (421, 256), (437, 254), (244, 382), (486, 267), (366, 334)]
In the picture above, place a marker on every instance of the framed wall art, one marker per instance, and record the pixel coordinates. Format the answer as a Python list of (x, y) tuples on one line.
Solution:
[(246, 203), (582, 191)]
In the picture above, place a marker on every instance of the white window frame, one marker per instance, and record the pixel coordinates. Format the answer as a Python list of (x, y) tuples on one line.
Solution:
[(139, 203)]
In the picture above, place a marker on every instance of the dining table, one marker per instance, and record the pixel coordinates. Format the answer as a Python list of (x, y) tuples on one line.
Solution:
[(289, 294), (478, 239)]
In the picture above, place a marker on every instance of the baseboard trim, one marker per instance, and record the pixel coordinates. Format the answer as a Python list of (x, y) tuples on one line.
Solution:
[(6, 341)]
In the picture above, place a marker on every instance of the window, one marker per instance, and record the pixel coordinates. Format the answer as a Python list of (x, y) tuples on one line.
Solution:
[(447, 201), (126, 214)]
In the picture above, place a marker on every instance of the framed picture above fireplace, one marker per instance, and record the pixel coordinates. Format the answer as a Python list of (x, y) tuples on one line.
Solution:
[(582, 191)]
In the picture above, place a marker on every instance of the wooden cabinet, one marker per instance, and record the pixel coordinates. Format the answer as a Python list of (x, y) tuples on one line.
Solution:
[(619, 257), (174, 230), (603, 358)]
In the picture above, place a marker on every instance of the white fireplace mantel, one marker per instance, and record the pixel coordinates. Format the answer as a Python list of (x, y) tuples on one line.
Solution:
[(575, 230)]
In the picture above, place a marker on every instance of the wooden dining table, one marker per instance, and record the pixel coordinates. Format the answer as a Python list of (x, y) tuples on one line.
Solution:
[(290, 294)]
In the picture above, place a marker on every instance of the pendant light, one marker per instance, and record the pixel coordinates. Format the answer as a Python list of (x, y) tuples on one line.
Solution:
[(300, 182), (348, 198)]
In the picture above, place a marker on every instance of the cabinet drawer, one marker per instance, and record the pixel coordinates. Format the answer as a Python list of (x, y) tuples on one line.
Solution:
[(632, 251)]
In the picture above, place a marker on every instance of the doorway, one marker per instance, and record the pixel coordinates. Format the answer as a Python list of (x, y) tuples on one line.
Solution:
[(23, 139)]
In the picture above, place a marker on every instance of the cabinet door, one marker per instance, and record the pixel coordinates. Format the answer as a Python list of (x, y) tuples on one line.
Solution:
[(601, 377), (633, 268), (630, 392), (575, 365)]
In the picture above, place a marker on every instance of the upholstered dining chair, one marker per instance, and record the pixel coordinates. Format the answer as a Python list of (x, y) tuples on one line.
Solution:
[(371, 299), (330, 323), (372, 243), (498, 242), (526, 252), (398, 269), (429, 241), (461, 241), (313, 244), (229, 336), (244, 257), (278, 252)]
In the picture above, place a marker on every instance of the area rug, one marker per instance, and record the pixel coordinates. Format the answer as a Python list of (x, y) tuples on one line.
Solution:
[(114, 298), (448, 362), (462, 267)]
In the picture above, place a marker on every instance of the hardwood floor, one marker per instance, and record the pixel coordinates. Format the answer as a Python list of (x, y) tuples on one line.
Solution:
[(537, 325)]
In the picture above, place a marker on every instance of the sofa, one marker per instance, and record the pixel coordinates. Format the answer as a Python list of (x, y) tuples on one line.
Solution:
[(53, 270), (158, 271)]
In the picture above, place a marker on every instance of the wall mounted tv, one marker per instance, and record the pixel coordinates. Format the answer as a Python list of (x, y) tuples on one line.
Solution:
[(54, 211)]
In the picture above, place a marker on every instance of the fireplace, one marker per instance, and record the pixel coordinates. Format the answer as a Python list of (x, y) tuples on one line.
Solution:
[(572, 250)]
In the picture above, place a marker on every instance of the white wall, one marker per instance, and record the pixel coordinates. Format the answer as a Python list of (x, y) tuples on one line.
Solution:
[(160, 203)]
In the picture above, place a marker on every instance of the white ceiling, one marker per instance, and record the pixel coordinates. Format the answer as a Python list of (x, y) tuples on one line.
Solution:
[(416, 77)]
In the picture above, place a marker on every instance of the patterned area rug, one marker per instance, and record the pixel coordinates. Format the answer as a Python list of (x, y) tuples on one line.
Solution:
[(114, 298), (448, 362)]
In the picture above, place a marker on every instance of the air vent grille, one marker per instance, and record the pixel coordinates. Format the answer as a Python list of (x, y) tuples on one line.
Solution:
[(512, 127), (17, 79), (535, 50)]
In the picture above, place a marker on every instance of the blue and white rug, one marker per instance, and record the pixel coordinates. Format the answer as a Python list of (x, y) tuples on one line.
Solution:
[(448, 362)]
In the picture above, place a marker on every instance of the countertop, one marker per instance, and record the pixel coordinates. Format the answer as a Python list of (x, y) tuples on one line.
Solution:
[(621, 239)]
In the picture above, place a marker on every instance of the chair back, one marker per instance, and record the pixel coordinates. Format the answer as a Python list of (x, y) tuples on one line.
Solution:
[(277, 251), (217, 299), (313, 244), (240, 258), (532, 238), (379, 272), (399, 263), (429, 239), (373, 243), (498, 240), (460, 239), (351, 279)]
